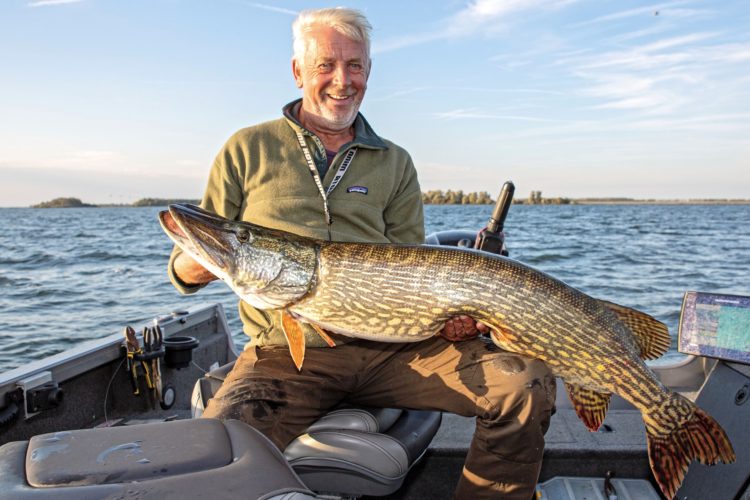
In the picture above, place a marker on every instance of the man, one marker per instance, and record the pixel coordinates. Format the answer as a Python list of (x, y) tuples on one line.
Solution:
[(278, 174)]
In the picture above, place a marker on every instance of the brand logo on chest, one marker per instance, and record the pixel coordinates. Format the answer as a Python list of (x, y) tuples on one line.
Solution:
[(356, 189)]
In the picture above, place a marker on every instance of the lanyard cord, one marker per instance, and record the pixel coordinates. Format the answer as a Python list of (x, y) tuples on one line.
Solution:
[(316, 176)]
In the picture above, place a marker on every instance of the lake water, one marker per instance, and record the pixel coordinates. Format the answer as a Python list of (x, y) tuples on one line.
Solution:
[(72, 275)]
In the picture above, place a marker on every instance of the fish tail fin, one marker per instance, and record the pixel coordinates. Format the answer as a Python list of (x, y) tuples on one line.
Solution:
[(700, 438)]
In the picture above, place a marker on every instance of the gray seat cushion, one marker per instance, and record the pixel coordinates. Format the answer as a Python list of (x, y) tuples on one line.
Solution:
[(350, 451), (128, 453), (351, 462), (360, 462), (357, 419), (184, 459)]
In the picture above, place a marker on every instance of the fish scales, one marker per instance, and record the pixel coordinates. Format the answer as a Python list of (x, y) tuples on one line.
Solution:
[(421, 278), (401, 293)]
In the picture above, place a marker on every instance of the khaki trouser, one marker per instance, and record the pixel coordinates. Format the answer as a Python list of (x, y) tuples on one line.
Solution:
[(512, 397)]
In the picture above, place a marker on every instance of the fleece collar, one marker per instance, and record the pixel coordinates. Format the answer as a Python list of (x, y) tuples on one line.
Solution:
[(364, 135)]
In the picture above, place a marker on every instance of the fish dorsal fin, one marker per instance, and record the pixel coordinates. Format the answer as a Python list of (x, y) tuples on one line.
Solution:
[(295, 337), (651, 334), (591, 406)]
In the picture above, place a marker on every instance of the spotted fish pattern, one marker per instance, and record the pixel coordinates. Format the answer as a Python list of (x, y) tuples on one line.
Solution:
[(406, 293)]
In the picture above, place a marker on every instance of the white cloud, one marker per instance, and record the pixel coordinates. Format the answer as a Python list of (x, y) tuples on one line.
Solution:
[(668, 9), (188, 163), (47, 3), (89, 159), (654, 101), (677, 41), (273, 8), (399, 93), (668, 75), (736, 122), (400, 42), (646, 32), (478, 17), (475, 113), (483, 13), (101, 162)]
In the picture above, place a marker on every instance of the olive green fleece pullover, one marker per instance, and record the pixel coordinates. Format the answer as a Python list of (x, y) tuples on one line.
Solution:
[(261, 176)]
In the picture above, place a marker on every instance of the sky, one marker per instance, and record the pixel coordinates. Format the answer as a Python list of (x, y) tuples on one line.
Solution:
[(112, 101)]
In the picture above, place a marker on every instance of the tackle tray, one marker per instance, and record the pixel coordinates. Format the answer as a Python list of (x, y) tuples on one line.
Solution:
[(592, 488)]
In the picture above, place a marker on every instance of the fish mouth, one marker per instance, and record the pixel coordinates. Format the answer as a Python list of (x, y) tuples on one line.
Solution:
[(200, 233)]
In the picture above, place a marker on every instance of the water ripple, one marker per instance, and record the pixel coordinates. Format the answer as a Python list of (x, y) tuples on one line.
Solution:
[(97, 270)]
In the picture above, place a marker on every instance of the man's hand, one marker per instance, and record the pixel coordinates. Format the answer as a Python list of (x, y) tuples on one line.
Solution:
[(190, 272), (460, 328)]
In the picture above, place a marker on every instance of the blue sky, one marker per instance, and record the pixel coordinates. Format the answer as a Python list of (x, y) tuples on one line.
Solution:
[(111, 101)]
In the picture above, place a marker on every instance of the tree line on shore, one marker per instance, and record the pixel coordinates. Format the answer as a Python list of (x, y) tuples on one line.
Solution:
[(436, 197), (433, 197), (450, 197), (143, 202)]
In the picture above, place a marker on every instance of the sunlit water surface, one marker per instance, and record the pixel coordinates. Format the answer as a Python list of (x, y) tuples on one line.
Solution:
[(72, 275)]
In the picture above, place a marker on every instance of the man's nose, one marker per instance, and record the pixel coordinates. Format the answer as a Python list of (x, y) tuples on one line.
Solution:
[(341, 75)]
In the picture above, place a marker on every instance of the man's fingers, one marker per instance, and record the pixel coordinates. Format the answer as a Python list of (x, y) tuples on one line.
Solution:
[(190, 271), (460, 328)]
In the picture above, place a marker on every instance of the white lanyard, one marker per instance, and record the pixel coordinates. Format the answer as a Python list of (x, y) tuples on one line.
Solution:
[(316, 176)]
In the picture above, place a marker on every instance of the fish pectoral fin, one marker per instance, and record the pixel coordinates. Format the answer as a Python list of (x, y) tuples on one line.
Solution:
[(295, 337), (651, 334), (324, 335), (591, 406)]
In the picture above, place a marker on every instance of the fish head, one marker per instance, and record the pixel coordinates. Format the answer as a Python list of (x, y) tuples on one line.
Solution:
[(265, 267)]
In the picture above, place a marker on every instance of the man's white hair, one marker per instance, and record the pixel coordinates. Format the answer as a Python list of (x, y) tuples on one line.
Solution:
[(349, 22)]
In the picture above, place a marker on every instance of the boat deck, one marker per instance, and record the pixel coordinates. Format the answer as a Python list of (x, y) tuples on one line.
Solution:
[(571, 450)]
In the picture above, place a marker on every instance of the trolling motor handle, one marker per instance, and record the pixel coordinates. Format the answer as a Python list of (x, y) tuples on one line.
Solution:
[(504, 199), (491, 238)]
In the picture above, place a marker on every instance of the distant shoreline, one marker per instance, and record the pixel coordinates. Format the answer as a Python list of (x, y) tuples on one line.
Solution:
[(588, 201), (163, 202), (143, 202)]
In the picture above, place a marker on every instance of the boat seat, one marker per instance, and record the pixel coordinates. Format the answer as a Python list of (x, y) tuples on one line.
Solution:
[(351, 451), (220, 460)]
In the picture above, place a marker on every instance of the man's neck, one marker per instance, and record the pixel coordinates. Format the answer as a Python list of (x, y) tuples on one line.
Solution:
[(332, 139)]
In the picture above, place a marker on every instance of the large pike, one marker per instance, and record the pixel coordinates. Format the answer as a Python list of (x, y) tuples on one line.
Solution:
[(405, 293)]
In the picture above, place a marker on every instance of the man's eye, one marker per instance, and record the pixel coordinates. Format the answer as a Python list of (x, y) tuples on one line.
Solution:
[(325, 66), (355, 67)]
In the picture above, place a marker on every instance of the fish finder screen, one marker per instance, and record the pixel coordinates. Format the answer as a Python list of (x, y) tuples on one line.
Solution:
[(715, 325)]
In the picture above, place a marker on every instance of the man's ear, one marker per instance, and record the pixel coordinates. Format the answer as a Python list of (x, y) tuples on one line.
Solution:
[(369, 69), (297, 72)]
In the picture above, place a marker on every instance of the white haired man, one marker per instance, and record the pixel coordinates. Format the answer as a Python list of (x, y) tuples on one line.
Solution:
[(263, 175)]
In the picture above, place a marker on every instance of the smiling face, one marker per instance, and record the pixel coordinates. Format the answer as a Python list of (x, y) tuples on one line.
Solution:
[(333, 78)]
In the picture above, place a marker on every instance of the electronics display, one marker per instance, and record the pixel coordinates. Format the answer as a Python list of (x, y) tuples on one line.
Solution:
[(715, 325)]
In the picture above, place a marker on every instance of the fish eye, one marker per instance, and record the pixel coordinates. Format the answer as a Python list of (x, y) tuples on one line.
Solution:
[(243, 236)]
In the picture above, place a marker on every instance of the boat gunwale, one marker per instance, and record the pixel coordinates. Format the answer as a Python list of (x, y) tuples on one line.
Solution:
[(92, 354)]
